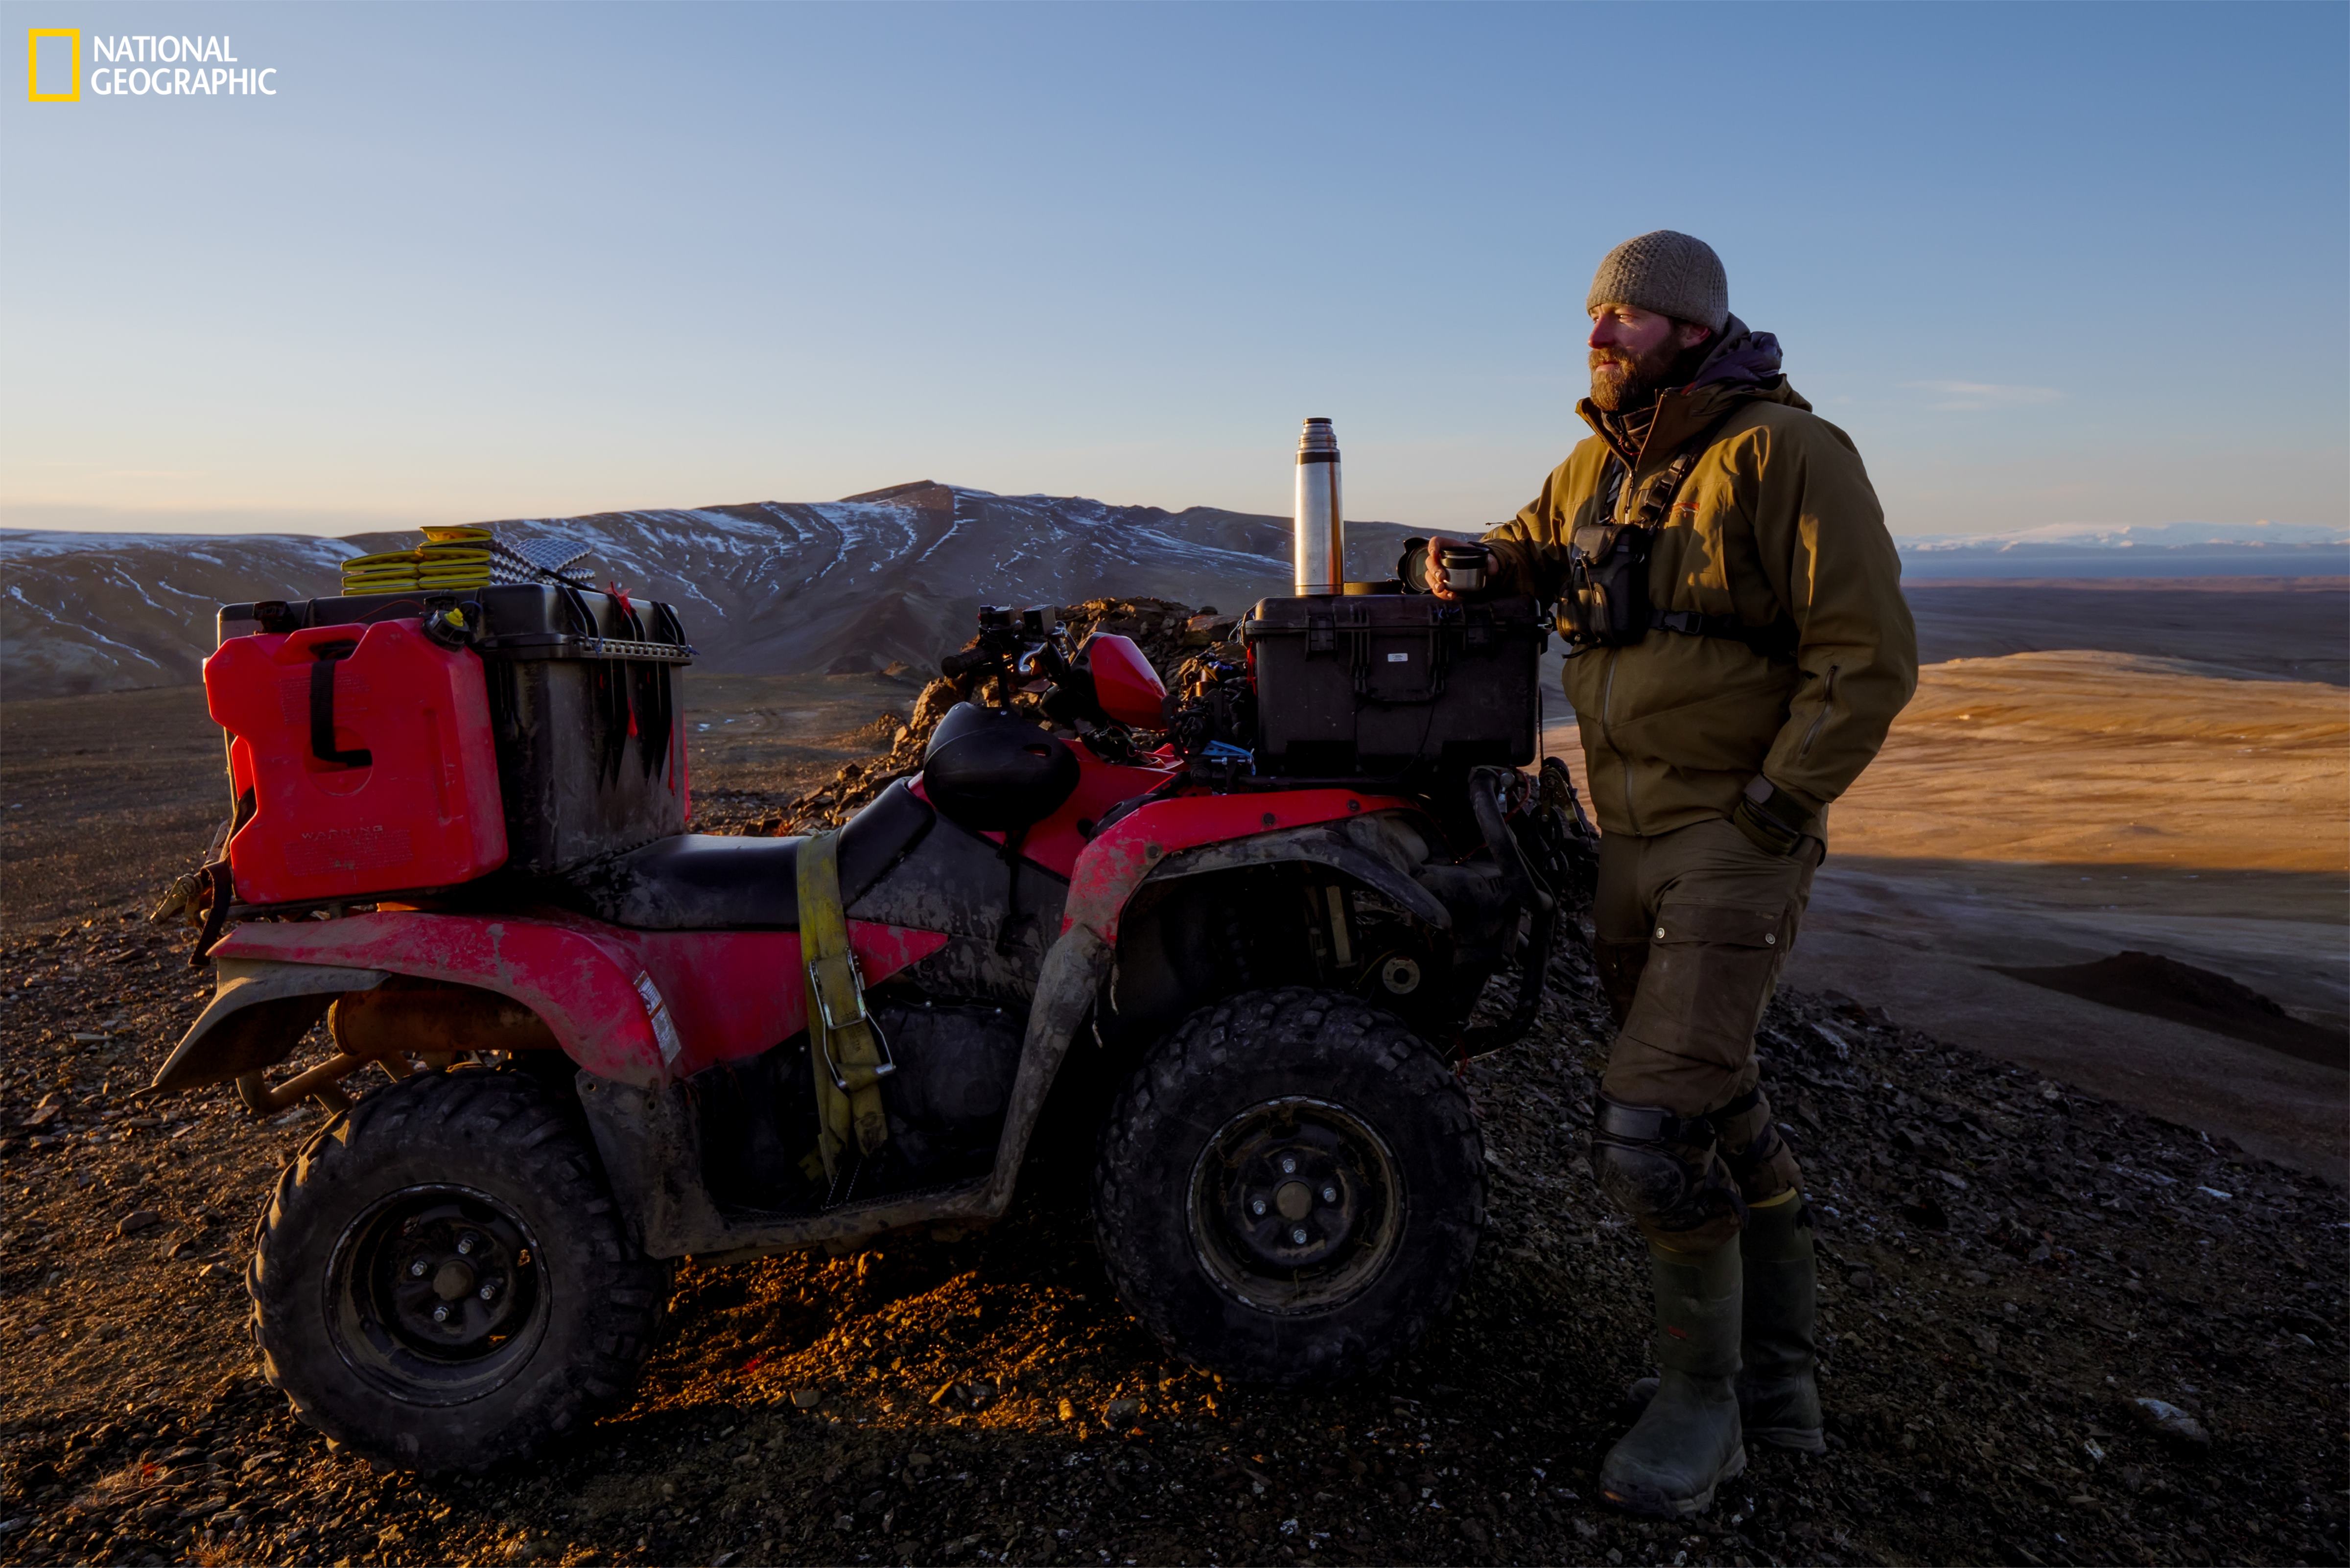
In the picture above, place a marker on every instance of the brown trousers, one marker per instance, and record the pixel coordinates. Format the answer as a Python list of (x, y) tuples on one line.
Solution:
[(1693, 927)]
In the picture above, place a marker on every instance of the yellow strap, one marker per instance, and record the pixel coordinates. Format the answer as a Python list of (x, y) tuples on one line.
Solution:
[(844, 1052)]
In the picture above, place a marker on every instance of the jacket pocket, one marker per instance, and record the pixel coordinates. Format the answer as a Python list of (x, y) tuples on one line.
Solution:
[(1827, 706), (1728, 729)]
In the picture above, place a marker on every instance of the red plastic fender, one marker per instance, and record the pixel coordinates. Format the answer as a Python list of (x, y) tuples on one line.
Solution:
[(641, 1007), (1129, 691), (1115, 864)]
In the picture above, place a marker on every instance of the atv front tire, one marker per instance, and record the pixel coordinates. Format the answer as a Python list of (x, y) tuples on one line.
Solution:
[(1290, 1189), (441, 1281)]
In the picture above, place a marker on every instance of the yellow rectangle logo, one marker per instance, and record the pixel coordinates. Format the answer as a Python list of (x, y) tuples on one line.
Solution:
[(33, 37)]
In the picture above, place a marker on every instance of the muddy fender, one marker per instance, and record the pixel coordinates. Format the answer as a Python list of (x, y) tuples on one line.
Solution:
[(649, 1142), (1321, 846), (256, 1016), (1071, 980)]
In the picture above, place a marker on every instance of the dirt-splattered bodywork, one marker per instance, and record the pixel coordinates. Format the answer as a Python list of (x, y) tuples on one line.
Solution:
[(1234, 1000), (690, 1046)]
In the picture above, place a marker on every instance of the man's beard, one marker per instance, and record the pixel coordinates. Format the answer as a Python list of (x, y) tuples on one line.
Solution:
[(1621, 381)]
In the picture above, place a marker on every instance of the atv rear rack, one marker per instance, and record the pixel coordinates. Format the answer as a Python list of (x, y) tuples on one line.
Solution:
[(527, 645)]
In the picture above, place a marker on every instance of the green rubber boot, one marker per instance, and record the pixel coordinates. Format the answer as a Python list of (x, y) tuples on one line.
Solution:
[(1778, 1387), (1687, 1442)]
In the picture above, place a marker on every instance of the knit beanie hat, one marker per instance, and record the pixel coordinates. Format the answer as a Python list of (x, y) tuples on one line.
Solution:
[(1672, 273)]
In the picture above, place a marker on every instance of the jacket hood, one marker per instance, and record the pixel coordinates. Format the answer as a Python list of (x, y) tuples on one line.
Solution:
[(1742, 358)]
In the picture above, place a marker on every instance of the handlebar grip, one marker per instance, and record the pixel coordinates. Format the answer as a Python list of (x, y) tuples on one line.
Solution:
[(1502, 841)]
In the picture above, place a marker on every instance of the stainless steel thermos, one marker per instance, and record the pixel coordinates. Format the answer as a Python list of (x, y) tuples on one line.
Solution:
[(1319, 525)]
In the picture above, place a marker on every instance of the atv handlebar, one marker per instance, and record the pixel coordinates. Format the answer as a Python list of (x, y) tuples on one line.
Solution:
[(1486, 785), (1011, 642), (955, 666)]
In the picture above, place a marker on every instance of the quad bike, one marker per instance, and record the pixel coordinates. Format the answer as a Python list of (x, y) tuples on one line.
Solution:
[(459, 842)]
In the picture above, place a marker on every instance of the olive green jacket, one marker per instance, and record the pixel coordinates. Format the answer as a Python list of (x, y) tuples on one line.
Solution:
[(1776, 524)]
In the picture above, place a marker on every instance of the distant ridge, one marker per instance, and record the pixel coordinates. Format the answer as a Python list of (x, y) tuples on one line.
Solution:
[(2132, 550), (763, 587), (893, 574)]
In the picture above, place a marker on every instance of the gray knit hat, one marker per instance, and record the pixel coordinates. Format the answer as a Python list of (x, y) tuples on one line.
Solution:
[(1667, 272)]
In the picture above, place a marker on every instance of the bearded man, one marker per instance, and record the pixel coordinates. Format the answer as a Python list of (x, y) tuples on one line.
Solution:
[(1739, 646)]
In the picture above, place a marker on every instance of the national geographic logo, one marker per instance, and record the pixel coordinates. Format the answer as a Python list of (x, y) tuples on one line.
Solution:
[(62, 41), (139, 64)]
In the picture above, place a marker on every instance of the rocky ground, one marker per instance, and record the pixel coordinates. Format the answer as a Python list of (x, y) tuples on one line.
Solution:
[(2011, 1269)]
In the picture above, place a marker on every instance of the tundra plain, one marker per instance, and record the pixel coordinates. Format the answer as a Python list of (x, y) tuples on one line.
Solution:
[(2089, 770)]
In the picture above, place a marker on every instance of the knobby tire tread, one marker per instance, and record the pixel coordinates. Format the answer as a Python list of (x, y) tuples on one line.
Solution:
[(1231, 1039), (624, 1295)]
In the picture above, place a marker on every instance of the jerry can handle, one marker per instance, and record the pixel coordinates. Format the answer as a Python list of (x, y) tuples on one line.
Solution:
[(322, 707)]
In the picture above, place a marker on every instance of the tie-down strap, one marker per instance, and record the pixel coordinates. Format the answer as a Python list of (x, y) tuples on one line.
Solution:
[(844, 1050)]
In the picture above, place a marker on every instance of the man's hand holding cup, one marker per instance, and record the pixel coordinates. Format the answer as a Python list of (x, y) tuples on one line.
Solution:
[(1457, 568)]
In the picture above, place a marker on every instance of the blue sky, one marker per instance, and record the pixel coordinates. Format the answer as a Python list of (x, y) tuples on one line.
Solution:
[(2046, 263)]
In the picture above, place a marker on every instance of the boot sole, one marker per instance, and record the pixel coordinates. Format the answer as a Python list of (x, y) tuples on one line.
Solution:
[(1798, 1439), (1685, 1507)]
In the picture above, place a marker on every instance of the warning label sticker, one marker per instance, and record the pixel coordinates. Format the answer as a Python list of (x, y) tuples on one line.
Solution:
[(656, 1012)]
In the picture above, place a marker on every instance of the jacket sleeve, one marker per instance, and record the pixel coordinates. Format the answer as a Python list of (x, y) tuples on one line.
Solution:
[(1824, 548), (1529, 549)]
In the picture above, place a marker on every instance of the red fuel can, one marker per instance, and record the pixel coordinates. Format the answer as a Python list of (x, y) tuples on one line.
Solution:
[(368, 756)]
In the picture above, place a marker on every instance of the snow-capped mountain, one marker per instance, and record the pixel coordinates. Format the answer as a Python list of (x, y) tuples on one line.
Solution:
[(2133, 550), (892, 574), (2135, 535), (762, 587), (101, 612)]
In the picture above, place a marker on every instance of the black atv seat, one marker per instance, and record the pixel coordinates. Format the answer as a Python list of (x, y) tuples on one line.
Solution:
[(707, 881)]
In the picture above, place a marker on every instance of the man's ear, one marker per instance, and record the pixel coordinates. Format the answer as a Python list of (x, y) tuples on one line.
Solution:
[(1689, 333)]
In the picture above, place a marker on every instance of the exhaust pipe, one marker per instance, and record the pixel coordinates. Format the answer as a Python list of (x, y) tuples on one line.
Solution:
[(1318, 530)]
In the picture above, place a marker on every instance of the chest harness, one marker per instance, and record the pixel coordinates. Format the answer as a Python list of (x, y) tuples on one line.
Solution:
[(1606, 604)]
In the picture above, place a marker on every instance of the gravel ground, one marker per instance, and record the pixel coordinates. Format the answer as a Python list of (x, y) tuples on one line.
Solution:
[(2009, 1266)]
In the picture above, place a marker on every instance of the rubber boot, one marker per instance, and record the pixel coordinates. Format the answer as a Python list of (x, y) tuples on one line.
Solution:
[(1778, 1382), (1688, 1441), (1778, 1385)]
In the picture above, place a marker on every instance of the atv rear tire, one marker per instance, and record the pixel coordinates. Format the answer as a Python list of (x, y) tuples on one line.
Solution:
[(1290, 1189), (441, 1281)]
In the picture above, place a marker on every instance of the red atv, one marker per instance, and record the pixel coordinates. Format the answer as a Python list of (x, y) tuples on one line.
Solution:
[(1259, 915)]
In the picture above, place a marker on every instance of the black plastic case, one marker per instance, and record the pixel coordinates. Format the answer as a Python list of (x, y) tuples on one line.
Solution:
[(584, 703), (1390, 685)]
